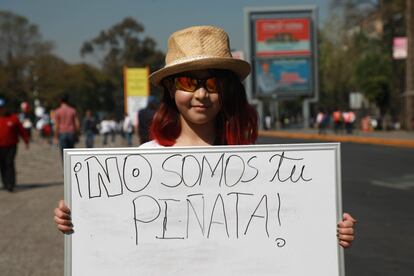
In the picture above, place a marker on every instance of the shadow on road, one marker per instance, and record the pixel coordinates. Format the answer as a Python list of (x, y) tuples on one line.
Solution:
[(30, 186)]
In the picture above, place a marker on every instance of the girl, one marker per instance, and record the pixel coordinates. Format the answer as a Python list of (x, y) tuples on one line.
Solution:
[(204, 103)]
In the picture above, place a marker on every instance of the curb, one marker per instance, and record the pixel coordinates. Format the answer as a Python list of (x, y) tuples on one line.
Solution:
[(402, 143)]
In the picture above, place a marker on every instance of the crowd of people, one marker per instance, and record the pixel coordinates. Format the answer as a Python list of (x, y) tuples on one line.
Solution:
[(64, 127), (338, 120)]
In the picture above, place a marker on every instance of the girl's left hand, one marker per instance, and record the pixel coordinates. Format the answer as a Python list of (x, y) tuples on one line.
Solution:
[(346, 233)]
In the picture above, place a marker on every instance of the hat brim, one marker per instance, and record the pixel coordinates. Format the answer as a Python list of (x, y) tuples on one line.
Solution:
[(238, 66)]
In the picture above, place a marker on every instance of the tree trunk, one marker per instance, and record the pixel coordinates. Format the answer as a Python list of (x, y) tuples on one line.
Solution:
[(409, 91)]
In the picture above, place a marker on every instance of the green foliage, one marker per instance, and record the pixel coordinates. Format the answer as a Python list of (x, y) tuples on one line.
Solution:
[(88, 88), (19, 38), (373, 75), (123, 45), (21, 43), (336, 65), (354, 59), (28, 69)]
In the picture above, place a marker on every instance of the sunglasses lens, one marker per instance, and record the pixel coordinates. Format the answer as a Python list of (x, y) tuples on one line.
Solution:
[(211, 85), (186, 84)]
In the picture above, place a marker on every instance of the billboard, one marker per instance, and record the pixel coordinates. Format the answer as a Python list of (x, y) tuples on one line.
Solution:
[(282, 49), (136, 81), (136, 90), (285, 36), (283, 75)]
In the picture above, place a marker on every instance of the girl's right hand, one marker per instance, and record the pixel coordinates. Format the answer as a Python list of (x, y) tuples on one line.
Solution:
[(63, 219)]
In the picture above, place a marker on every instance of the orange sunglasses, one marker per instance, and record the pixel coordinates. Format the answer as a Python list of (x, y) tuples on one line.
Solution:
[(191, 84)]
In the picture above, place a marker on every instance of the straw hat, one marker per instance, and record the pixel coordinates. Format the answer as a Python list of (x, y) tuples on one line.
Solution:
[(198, 48)]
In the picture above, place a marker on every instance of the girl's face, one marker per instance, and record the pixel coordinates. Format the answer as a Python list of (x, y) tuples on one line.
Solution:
[(202, 105)]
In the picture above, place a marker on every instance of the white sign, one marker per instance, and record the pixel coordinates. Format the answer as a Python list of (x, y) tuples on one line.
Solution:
[(399, 48), (135, 104), (223, 210)]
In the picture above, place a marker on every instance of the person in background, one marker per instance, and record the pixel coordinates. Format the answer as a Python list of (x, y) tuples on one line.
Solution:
[(145, 119), (128, 129), (322, 121), (105, 130), (349, 120), (204, 104), (337, 120), (10, 130), (89, 128), (114, 129), (67, 125)]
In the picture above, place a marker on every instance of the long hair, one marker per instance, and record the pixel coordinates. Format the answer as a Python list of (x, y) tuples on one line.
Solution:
[(236, 122)]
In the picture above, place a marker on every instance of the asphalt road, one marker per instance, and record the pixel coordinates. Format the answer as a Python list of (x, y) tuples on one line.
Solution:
[(378, 190)]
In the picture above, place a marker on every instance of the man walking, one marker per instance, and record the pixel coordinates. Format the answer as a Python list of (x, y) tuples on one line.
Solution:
[(10, 130), (66, 125)]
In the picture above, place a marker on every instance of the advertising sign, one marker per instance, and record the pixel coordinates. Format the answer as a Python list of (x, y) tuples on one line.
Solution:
[(136, 81), (399, 48), (136, 90), (282, 49), (285, 36), (283, 75)]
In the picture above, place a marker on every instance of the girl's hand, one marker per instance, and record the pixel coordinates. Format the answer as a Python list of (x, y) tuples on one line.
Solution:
[(63, 219), (346, 233)]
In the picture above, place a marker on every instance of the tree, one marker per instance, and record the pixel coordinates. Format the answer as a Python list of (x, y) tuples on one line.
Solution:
[(409, 94), (370, 27), (123, 45), (20, 42), (337, 59), (19, 38), (87, 86), (373, 74)]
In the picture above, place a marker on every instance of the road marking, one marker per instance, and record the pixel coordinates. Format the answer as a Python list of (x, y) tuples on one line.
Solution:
[(405, 182)]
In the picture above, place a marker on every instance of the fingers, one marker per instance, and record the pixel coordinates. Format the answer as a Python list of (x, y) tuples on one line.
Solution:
[(65, 229), (346, 232), (348, 217), (64, 226), (345, 244), (63, 218), (347, 222), (59, 221), (63, 207), (346, 238), (61, 214)]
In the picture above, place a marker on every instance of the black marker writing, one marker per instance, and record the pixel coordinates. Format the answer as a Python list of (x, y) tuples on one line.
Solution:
[(282, 158)]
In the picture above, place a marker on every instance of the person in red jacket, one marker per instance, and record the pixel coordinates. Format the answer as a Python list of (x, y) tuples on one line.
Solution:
[(10, 130)]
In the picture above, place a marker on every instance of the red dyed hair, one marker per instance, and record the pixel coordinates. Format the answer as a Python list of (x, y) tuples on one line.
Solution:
[(236, 123)]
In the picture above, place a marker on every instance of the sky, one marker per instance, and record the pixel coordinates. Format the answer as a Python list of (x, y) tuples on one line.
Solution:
[(70, 23)]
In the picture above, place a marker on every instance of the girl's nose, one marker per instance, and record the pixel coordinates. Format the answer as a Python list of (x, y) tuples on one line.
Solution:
[(201, 93)]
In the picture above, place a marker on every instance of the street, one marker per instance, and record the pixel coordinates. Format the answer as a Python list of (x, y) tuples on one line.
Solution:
[(378, 190)]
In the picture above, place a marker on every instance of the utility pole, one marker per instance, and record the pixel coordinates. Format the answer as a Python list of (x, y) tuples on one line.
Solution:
[(409, 90)]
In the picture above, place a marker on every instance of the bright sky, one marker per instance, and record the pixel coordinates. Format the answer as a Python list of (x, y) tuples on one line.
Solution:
[(72, 22)]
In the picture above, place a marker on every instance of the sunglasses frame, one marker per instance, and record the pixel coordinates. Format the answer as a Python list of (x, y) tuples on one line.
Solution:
[(200, 82)]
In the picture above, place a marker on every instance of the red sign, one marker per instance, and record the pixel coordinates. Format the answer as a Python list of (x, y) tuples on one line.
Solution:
[(283, 37)]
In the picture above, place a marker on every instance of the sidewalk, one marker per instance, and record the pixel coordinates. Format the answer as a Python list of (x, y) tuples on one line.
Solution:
[(30, 244), (386, 138)]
